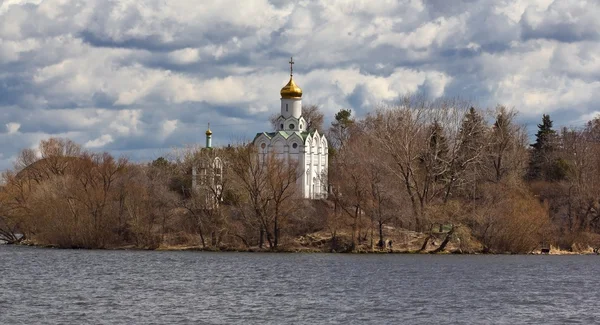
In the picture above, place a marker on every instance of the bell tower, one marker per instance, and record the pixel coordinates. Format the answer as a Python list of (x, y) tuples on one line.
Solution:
[(291, 96)]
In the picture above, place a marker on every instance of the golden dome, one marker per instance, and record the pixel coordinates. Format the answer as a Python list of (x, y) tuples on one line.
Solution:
[(291, 90), (208, 132)]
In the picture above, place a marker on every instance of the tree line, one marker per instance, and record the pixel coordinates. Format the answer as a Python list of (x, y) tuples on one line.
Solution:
[(454, 176)]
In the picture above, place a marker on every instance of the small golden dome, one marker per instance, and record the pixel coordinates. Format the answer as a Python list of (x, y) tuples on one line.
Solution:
[(291, 90), (208, 132)]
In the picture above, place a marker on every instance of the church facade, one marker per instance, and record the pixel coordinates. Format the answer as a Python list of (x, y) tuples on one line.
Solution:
[(293, 141), (207, 174)]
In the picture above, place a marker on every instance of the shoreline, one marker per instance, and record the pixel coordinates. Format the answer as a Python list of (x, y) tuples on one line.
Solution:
[(292, 250)]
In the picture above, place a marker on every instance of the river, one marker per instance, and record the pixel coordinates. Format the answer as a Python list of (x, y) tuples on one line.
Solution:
[(52, 286)]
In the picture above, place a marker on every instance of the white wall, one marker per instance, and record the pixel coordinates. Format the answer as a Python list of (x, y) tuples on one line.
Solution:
[(312, 160), (291, 107)]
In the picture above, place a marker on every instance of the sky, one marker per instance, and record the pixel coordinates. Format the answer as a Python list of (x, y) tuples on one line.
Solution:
[(138, 78)]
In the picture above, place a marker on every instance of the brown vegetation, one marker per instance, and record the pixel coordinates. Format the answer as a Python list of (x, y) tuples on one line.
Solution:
[(422, 175)]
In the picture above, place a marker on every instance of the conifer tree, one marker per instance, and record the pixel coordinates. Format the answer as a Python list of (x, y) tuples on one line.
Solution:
[(471, 137), (504, 145), (471, 145), (434, 159), (340, 127), (543, 164)]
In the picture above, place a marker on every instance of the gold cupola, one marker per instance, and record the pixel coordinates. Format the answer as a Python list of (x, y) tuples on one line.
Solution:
[(291, 90), (208, 137)]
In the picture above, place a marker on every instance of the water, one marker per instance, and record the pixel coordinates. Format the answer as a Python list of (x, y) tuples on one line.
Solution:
[(50, 286)]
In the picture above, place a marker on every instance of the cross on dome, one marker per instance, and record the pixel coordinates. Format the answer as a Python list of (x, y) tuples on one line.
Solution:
[(291, 90)]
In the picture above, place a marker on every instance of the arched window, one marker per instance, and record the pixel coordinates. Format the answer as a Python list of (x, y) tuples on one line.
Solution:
[(292, 126), (281, 126), (286, 107)]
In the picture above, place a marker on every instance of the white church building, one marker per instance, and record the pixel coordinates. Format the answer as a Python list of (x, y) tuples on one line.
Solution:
[(292, 141)]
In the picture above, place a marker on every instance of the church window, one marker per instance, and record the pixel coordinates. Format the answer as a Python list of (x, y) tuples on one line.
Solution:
[(286, 107), (263, 145), (281, 126), (291, 126), (295, 145)]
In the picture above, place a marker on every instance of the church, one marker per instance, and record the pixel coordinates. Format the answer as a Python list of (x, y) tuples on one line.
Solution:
[(207, 174), (293, 141)]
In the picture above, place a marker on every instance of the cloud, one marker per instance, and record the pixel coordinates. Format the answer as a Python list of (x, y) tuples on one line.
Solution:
[(12, 127), (137, 78), (565, 21), (168, 127), (100, 142), (184, 56)]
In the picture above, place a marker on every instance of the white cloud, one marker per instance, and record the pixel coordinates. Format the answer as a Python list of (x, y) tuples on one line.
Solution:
[(12, 127), (126, 122), (429, 34), (168, 127), (184, 56), (99, 142), (8, 3)]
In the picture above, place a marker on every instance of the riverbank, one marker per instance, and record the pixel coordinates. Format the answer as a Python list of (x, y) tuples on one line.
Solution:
[(401, 242), (289, 250)]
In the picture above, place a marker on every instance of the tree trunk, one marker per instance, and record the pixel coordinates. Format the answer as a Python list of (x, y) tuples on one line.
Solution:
[(446, 241), (275, 232), (213, 239), (372, 243), (243, 240), (424, 246), (201, 237), (427, 239), (357, 219), (164, 228), (381, 242), (449, 189), (333, 241), (354, 228), (269, 238)]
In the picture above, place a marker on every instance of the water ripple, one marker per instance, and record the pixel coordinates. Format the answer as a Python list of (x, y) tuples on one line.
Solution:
[(137, 287)]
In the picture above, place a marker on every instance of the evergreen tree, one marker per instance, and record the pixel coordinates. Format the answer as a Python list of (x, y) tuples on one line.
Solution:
[(543, 164), (343, 118), (468, 156), (435, 158), (339, 132), (545, 138), (472, 138), (501, 142)]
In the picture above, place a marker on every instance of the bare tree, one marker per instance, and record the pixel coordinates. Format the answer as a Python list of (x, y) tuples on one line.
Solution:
[(421, 139), (349, 178), (268, 185)]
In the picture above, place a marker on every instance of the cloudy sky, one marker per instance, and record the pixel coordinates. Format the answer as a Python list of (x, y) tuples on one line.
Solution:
[(138, 77)]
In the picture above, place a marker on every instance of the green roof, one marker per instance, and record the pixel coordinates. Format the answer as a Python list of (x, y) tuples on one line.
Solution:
[(284, 134)]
